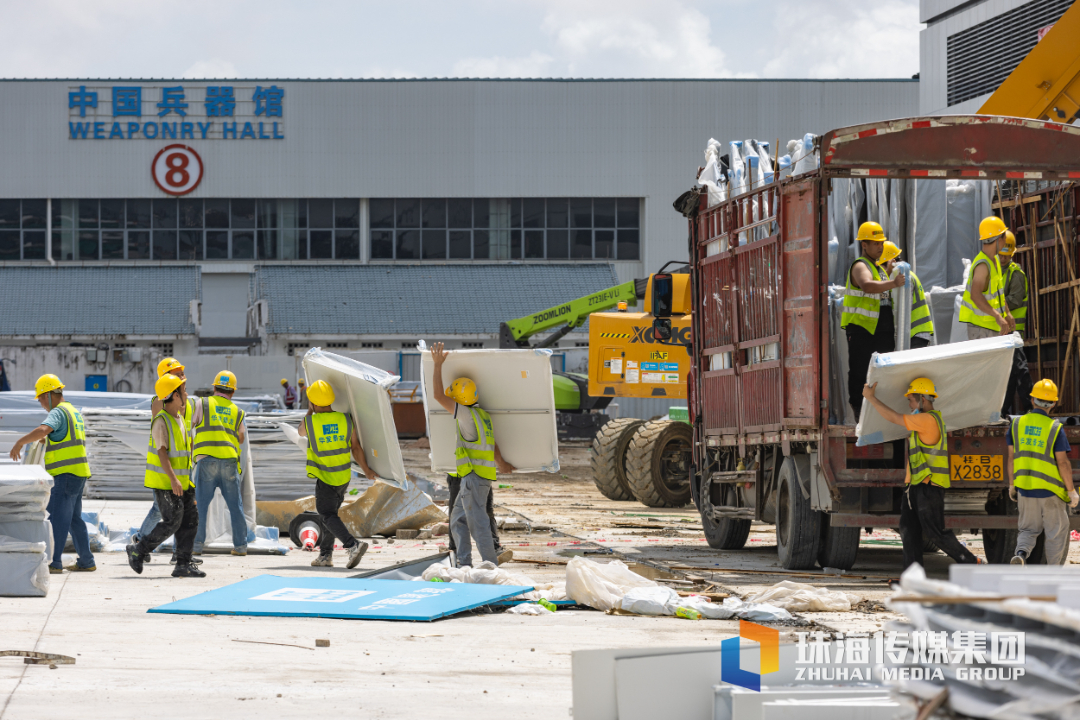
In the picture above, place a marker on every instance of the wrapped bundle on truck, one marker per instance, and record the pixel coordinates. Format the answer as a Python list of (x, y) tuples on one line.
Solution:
[(762, 383)]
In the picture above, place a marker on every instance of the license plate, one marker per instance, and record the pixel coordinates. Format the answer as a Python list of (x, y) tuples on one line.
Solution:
[(976, 468)]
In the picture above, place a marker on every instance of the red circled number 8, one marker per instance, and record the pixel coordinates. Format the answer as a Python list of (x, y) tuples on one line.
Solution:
[(177, 163)]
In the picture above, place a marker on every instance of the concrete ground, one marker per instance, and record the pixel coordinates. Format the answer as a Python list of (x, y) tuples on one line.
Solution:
[(476, 665)]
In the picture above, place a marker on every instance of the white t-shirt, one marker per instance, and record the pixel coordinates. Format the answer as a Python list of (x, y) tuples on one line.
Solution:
[(465, 422)]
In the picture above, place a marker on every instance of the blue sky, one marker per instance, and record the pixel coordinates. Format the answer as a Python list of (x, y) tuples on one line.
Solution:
[(478, 38)]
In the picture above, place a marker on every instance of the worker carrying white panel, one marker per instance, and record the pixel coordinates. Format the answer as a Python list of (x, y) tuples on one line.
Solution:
[(515, 388), (970, 377)]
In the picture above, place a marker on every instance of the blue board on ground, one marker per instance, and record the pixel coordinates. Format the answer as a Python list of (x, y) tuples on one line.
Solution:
[(348, 598)]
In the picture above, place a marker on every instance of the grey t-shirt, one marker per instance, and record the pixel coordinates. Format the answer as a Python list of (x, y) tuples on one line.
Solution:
[(465, 422)]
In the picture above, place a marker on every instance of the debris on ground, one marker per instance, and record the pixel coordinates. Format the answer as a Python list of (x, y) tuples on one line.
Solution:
[(800, 597), (487, 574)]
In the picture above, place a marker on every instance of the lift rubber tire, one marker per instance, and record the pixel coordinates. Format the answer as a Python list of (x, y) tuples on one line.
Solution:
[(658, 463), (798, 528), (839, 545), (608, 457)]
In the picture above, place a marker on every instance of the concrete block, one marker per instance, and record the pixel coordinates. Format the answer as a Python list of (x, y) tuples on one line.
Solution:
[(407, 534), (441, 529)]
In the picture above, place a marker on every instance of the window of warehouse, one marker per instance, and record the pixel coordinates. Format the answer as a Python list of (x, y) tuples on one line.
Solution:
[(505, 229), (186, 229)]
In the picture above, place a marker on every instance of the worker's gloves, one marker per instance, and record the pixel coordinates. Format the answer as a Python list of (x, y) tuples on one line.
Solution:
[(1012, 493), (1074, 499)]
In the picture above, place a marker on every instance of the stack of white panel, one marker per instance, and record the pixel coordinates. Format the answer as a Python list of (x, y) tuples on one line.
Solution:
[(25, 535)]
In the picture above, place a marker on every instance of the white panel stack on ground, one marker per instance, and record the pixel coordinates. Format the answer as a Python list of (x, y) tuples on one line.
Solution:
[(1007, 639), (970, 377), (26, 542)]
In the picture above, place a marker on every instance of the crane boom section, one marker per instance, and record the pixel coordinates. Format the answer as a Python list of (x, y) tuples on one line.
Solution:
[(573, 313)]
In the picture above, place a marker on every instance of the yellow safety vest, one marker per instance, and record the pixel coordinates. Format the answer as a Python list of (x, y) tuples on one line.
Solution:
[(476, 457), (929, 460), (217, 434), (179, 456), (921, 321), (1034, 464), (1020, 313), (862, 308), (994, 295), (329, 454), (69, 455)]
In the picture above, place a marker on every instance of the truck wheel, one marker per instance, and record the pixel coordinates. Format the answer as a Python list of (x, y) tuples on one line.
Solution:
[(658, 463), (726, 533), (608, 457), (798, 528), (839, 545)]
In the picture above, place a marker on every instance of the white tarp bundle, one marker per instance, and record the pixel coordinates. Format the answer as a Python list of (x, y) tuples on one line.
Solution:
[(25, 534), (515, 388), (363, 392), (970, 378)]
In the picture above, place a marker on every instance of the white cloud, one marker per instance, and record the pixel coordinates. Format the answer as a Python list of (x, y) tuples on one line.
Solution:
[(537, 64), (211, 70)]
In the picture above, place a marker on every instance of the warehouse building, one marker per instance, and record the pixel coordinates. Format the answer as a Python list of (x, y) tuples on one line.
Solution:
[(256, 218)]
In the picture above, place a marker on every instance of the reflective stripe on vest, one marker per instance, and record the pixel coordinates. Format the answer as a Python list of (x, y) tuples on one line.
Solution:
[(476, 457), (861, 308), (929, 461), (216, 435), (179, 456), (995, 295), (68, 457), (1034, 464), (1019, 313), (921, 321), (329, 454)]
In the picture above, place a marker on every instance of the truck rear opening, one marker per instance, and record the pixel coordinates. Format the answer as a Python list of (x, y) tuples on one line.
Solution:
[(763, 355)]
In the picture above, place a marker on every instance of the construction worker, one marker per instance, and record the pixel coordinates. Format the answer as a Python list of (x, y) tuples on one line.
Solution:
[(171, 366), (922, 324), (168, 473), (478, 458), (453, 482), (922, 509), (219, 432), (983, 307), (868, 329), (1015, 287), (332, 437), (301, 392), (64, 433), (1040, 471), (290, 394)]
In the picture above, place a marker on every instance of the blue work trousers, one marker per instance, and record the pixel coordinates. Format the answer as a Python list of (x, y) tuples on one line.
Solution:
[(65, 515), (218, 474)]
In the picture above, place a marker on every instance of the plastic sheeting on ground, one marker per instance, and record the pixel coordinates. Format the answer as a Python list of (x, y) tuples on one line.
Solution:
[(24, 553), (800, 597), (487, 574), (362, 391), (601, 586), (970, 378), (267, 541), (346, 598), (515, 388)]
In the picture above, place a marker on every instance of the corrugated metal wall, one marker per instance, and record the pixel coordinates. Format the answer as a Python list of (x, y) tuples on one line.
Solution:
[(456, 138)]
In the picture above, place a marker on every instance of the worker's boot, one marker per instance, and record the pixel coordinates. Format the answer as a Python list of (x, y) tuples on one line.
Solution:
[(504, 556), (184, 568), (135, 558), (323, 561), (1020, 558), (355, 553)]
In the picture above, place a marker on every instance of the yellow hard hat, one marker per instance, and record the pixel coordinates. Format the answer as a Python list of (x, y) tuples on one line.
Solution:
[(301, 381), (1010, 244), (921, 386), (47, 383), (871, 232), (321, 393), (168, 365), (284, 381), (888, 253), (225, 379), (1045, 390), (462, 390), (166, 385), (991, 228)]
